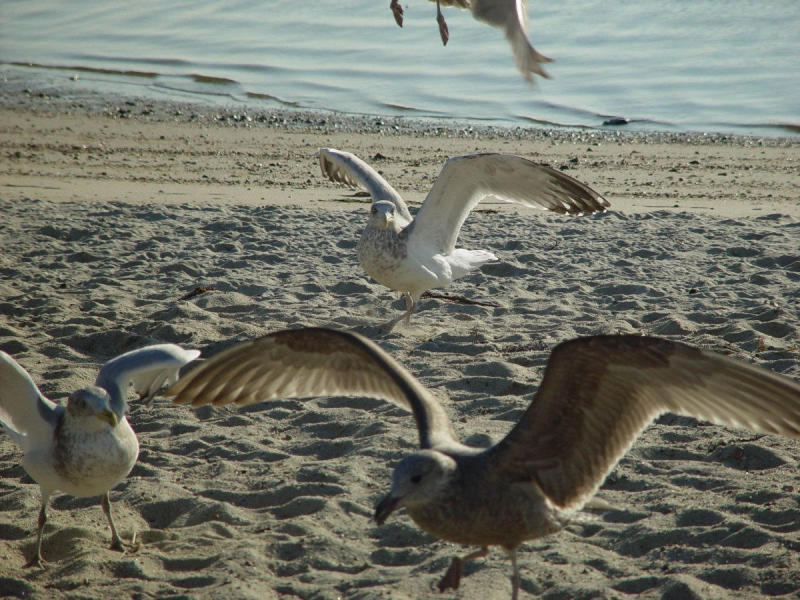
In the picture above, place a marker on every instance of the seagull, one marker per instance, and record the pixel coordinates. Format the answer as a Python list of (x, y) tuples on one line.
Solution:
[(597, 395), (509, 15), (415, 254), (86, 447)]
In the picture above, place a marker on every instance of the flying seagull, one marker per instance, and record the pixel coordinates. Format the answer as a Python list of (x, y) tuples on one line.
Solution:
[(415, 254), (508, 15), (86, 447), (597, 395)]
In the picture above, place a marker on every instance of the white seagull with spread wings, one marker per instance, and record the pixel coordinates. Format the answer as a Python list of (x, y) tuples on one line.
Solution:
[(596, 397), (86, 447), (509, 15), (415, 254)]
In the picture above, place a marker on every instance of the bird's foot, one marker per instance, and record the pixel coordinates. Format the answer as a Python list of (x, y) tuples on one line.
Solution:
[(120, 545), (452, 578), (389, 325), (397, 11), (36, 561)]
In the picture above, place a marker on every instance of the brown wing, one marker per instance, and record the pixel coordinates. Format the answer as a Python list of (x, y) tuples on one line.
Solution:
[(301, 363), (599, 393)]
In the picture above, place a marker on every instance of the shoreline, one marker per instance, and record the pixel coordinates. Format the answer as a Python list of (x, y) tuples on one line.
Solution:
[(71, 97), (142, 151)]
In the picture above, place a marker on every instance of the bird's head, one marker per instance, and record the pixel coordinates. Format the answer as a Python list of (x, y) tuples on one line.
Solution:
[(382, 214), (92, 402), (419, 479)]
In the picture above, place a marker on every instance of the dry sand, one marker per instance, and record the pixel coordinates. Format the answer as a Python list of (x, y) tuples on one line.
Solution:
[(114, 211)]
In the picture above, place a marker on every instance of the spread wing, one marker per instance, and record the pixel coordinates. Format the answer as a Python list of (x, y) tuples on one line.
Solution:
[(599, 393), (466, 180), (301, 363), (347, 168), (147, 369), (25, 413), (512, 17)]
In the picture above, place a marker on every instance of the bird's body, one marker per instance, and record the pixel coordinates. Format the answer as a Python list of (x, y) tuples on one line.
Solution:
[(87, 447), (415, 254), (506, 514), (509, 15), (89, 456), (597, 395)]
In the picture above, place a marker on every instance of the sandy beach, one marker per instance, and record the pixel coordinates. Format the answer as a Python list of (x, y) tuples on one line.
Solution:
[(116, 210)]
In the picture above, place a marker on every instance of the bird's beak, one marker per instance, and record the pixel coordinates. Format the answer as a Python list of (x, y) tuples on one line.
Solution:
[(382, 220), (109, 417), (386, 507)]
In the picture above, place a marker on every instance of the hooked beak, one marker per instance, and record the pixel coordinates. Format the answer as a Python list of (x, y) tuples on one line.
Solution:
[(109, 417), (381, 220), (386, 507)]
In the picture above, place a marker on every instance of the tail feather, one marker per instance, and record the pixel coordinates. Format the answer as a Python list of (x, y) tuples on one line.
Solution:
[(463, 261)]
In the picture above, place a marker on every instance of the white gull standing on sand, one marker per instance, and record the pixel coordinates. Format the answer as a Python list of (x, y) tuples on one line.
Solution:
[(413, 255), (509, 15), (597, 395), (87, 447)]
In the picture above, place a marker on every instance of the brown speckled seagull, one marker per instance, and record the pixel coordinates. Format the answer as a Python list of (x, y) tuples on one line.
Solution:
[(86, 447), (597, 395), (415, 254), (509, 15)]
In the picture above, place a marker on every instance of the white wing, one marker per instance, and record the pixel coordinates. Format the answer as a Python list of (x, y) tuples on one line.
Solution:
[(512, 17), (466, 180), (147, 369), (25, 413), (347, 168)]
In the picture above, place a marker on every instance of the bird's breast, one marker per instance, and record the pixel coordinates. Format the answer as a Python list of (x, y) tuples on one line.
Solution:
[(486, 515), (90, 463), (381, 253)]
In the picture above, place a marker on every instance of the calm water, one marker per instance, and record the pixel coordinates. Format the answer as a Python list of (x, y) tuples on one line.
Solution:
[(684, 65)]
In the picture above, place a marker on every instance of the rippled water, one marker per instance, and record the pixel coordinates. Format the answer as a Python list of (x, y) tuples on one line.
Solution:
[(699, 65)]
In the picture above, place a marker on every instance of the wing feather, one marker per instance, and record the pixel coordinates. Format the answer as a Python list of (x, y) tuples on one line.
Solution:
[(347, 168), (466, 180), (24, 412), (599, 393), (301, 363), (512, 17), (147, 369)]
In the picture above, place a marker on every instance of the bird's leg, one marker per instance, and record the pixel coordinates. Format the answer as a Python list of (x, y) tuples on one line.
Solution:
[(411, 304), (397, 11), (452, 578), (443, 31), (512, 554), (37, 560), (116, 540)]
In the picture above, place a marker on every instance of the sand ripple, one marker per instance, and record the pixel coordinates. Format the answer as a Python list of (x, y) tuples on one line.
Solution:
[(275, 500)]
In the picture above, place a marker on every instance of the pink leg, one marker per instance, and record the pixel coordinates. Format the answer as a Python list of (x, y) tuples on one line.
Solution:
[(410, 306), (452, 578)]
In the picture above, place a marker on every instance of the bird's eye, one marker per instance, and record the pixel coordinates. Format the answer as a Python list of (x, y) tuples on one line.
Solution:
[(374, 210), (416, 479)]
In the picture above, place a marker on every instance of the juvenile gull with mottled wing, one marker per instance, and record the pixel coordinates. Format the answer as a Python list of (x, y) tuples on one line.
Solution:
[(416, 254), (597, 395), (86, 447)]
